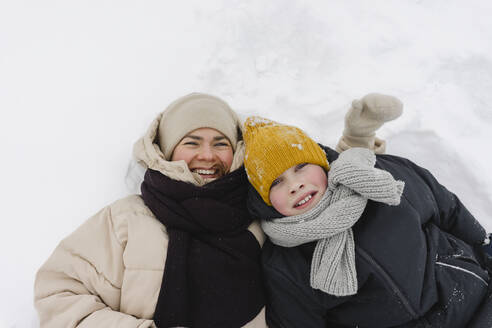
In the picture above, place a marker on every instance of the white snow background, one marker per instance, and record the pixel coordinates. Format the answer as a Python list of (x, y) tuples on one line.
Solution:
[(80, 81)]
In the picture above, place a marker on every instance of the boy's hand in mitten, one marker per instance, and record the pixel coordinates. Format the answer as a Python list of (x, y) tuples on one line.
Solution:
[(364, 117)]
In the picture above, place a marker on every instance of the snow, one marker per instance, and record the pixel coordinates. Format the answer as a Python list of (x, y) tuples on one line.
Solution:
[(253, 121), (81, 81)]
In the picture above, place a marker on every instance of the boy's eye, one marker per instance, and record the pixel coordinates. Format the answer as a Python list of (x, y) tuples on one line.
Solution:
[(300, 166), (275, 183)]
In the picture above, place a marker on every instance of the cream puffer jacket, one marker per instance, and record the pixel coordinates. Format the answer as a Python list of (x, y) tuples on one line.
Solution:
[(108, 273)]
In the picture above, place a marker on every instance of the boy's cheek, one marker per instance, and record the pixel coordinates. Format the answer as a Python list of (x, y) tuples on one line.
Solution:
[(276, 200)]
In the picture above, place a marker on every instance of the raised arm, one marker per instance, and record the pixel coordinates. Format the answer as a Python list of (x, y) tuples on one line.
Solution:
[(364, 117)]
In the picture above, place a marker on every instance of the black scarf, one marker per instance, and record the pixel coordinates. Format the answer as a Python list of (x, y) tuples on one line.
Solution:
[(212, 275)]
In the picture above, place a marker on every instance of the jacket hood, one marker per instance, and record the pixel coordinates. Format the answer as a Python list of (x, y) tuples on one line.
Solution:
[(147, 153)]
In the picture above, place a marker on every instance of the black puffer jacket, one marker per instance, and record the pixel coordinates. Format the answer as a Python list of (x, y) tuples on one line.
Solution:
[(416, 264)]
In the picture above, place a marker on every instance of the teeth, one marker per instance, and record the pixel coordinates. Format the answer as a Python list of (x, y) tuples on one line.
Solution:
[(302, 202), (205, 172)]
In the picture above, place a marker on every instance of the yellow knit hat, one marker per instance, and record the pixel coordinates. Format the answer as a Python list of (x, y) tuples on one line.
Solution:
[(272, 148)]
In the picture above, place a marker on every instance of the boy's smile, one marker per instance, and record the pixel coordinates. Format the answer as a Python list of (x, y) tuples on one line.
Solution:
[(298, 189), (305, 201)]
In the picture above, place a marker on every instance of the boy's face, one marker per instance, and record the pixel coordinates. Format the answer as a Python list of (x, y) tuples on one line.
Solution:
[(298, 189)]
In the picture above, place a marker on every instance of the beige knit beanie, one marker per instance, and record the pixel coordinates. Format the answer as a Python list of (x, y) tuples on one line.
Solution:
[(194, 111)]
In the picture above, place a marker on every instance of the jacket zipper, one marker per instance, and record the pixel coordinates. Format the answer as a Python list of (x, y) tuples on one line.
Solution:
[(463, 270), (389, 281)]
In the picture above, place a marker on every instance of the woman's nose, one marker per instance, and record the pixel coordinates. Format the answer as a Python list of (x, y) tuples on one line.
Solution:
[(205, 153)]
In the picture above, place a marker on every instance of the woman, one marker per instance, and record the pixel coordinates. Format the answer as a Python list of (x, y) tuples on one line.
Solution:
[(185, 252)]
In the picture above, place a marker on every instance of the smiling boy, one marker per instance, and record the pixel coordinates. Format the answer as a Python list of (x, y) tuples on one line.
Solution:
[(357, 240), (298, 189)]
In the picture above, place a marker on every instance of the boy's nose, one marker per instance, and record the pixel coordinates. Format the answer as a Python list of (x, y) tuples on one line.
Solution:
[(295, 187)]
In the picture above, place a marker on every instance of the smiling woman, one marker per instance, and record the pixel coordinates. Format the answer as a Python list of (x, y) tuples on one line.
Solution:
[(185, 253), (206, 151)]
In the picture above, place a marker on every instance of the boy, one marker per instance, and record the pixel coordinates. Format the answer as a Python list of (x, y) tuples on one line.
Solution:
[(360, 241)]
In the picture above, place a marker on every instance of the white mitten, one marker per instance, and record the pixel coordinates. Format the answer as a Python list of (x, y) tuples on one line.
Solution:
[(364, 118)]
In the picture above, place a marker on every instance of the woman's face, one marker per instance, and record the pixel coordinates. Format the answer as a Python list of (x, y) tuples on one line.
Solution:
[(206, 151)]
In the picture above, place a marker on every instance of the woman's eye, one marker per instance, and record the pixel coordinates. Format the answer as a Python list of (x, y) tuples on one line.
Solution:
[(222, 144), (191, 143)]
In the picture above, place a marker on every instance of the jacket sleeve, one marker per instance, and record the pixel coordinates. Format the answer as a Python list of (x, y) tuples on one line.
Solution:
[(453, 217), (80, 283)]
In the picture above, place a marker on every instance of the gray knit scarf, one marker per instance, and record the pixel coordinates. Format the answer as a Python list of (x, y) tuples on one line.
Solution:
[(352, 180)]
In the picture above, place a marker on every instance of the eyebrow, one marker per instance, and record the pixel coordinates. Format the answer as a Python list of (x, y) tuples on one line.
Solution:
[(216, 138)]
